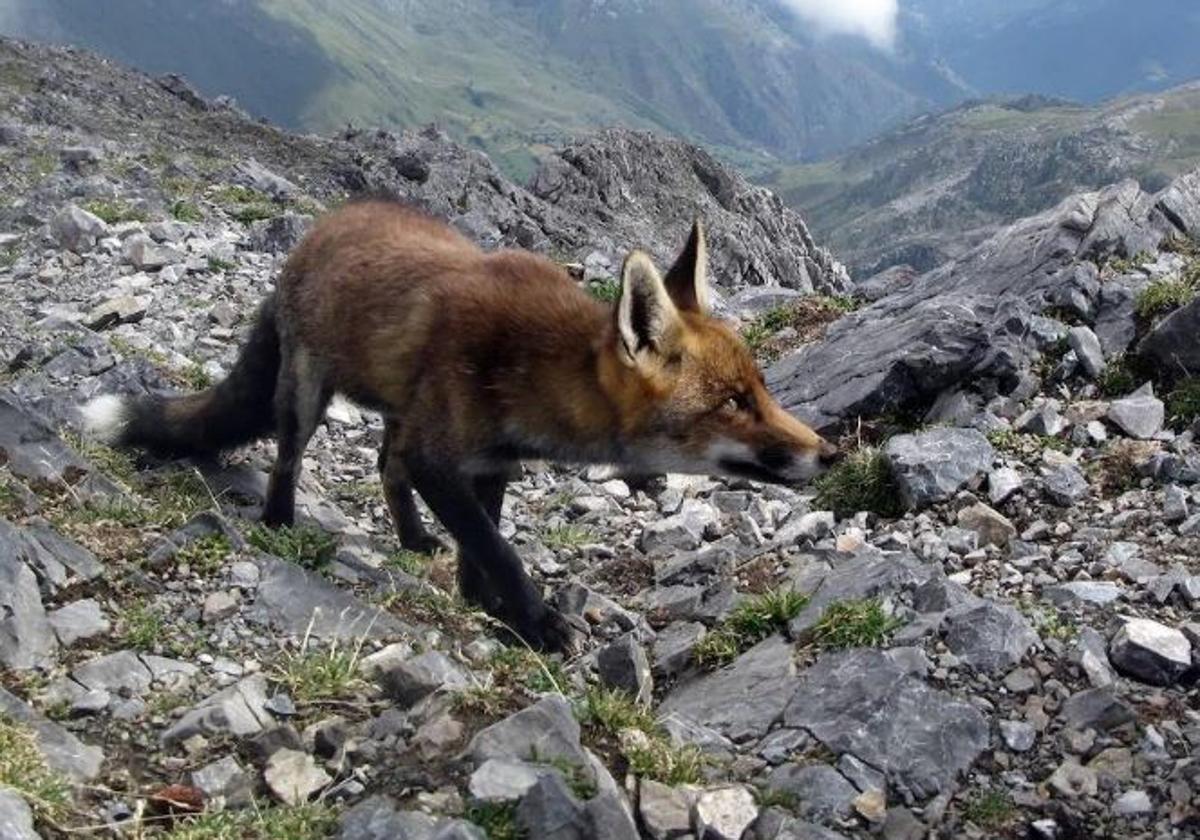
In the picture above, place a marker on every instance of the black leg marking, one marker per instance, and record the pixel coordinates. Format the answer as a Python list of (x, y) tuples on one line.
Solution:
[(398, 492), (300, 400)]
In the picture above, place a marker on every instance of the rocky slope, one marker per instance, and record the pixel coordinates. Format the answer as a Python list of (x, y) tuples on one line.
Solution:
[(987, 630)]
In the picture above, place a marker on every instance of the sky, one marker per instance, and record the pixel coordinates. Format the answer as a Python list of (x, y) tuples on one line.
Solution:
[(875, 20)]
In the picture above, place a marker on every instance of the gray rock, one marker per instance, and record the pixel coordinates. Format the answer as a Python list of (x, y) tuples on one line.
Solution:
[(1133, 803), (224, 778), (990, 526), (27, 638), (673, 646), (623, 664), (1065, 485), (989, 637), (31, 448), (125, 309), (1140, 415), (144, 254), (16, 818), (1096, 708), (1150, 652), (543, 731), (666, 811), (1175, 504), (1075, 592), (377, 818), (932, 466), (293, 777), (683, 531), (868, 573), (1003, 483), (1171, 343), (1018, 735), (861, 702), (76, 229), (724, 813), (1044, 420), (1088, 350), (1073, 780), (253, 174), (504, 780), (77, 620), (1091, 652), (421, 676), (62, 750), (743, 700), (550, 810), (280, 234), (820, 791), (237, 711)]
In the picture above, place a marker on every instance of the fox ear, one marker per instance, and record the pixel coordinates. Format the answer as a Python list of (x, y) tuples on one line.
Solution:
[(646, 317), (687, 281)]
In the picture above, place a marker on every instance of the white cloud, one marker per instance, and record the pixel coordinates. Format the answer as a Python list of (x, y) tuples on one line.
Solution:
[(875, 20)]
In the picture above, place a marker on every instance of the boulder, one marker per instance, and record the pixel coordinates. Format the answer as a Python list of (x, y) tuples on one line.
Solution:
[(932, 466), (1150, 652)]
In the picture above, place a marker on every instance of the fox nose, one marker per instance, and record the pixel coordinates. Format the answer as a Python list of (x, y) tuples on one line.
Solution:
[(830, 454)]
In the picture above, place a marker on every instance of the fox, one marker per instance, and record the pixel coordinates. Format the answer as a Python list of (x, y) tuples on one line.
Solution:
[(479, 360)]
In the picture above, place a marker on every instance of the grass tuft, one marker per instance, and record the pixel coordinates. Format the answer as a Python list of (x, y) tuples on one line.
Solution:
[(304, 545), (497, 819), (299, 822), (23, 768), (205, 555), (112, 211), (989, 809), (567, 536), (854, 624), (185, 211), (1117, 379), (312, 674), (861, 482), (606, 290), (1183, 402), (140, 625), (612, 710), (1167, 294), (521, 667), (410, 562), (662, 761), (749, 623)]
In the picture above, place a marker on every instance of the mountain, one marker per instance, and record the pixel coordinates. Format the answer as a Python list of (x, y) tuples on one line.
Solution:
[(934, 187), (740, 75)]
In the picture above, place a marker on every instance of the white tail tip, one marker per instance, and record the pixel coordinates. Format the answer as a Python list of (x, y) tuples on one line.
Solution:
[(105, 418)]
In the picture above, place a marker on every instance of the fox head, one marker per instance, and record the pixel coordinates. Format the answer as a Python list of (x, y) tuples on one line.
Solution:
[(689, 393)]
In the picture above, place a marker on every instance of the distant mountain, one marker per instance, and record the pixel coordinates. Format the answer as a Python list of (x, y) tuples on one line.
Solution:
[(931, 189)]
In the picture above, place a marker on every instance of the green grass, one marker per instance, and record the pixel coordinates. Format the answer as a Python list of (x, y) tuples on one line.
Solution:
[(612, 710), (578, 778), (1124, 266), (1183, 402), (312, 674), (606, 290), (216, 265), (304, 545), (410, 562), (1117, 379), (1166, 295), (662, 761), (24, 769), (1048, 621), (861, 482), (185, 211), (140, 625), (567, 536), (989, 809), (497, 819), (521, 667), (300, 822), (205, 555), (114, 463), (244, 204), (854, 624), (650, 754), (114, 211), (749, 623)]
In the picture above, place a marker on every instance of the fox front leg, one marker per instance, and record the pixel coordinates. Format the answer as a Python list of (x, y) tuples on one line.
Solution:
[(511, 595)]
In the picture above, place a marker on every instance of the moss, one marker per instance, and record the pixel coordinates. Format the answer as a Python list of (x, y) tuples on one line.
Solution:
[(205, 555)]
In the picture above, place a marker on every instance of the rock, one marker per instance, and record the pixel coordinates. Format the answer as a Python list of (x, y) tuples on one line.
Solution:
[(1150, 652), (280, 234), (27, 638), (724, 813), (861, 702), (238, 710), (253, 174), (1091, 652), (683, 531), (550, 810), (293, 777), (543, 731), (1133, 803), (1075, 592), (1065, 485), (819, 790), (673, 646), (78, 620), (989, 637), (871, 805), (125, 309), (76, 229), (224, 778), (666, 811), (932, 466), (33, 450), (814, 525), (1002, 484), (1096, 708), (1171, 343), (623, 664), (421, 676), (1140, 415), (868, 573), (144, 254), (1073, 780), (504, 780), (62, 750), (219, 606), (1088, 350), (1044, 421), (16, 818), (1175, 504), (1018, 735), (992, 527), (743, 700)]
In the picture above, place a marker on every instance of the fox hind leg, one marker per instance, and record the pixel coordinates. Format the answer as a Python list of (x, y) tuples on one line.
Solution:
[(301, 396), (399, 494)]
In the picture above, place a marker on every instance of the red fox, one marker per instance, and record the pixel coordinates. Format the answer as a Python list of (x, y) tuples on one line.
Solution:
[(478, 360)]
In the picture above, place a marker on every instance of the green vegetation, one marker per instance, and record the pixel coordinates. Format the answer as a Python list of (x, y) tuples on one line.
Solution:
[(140, 625), (1167, 294), (299, 822), (578, 778), (1117, 378), (304, 545), (1122, 265), (115, 464), (567, 536), (114, 211), (409, 562), (521, 667), (219, 266), (808, 316), (205, 555), (311, 674), (749, 623), (244, 204), (658, 759), (854, 624), (1048, 621), (614, 715), (606, 290), (1183, 402), (24, 769), (497, 819), (989, 809), (186, 211), (863, 481)]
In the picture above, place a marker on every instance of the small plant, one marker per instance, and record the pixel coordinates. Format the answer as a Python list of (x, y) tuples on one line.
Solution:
[(306, 546), (311, 674), (1117, 378), (612, 710), (283, 822), (114, 212), (718, 647), (1183, 402), (989, 809), (861, 482), (185, 211), (578, 778), (1122, 265), (1166, 295), (205, 555), (567, 536), (517, 666), (141, 626), (606, 290), (854, 624), (216, 265), (194, 377), (115, 464), (175, 496), (24, 769), (1117, 471), (768, 797), (649, 751), (808, 316), (1048, 621), (410, 562), (748, 624), (497, 819), (660, 760), (245, 204)]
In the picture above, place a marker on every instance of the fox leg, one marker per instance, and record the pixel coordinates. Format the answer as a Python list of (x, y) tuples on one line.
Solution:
[(452, 497), (300, 400), (474, 579), (399, 495)]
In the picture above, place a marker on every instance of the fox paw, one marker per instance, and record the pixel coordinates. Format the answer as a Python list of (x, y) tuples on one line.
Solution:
[(423, 544), (551, 632)]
